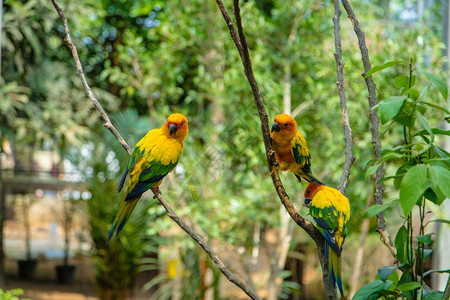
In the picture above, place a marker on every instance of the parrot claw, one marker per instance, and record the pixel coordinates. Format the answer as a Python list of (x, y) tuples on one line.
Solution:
[(156, 192)]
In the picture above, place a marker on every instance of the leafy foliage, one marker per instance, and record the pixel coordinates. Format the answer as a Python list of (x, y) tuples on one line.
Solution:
[(162, 56), (13, 294), (422, 175)]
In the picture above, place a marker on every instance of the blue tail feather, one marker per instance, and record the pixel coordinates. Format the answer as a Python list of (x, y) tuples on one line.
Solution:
[(334, 266)]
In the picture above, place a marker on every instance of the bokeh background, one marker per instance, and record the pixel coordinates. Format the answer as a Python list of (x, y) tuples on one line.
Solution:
[(145, 59)]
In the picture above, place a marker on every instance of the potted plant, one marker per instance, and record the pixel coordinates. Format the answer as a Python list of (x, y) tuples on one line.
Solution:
[(26, 266), (65, 273)]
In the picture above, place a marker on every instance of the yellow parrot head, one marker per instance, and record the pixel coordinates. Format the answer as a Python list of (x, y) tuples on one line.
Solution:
[(284, 125), (176, 127)]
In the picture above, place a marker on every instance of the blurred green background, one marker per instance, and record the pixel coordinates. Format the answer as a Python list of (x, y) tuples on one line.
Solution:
[(146, 59)]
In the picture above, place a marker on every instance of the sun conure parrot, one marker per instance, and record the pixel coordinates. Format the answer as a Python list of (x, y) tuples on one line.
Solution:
[(291, 149), (331, 211), (154, 156)]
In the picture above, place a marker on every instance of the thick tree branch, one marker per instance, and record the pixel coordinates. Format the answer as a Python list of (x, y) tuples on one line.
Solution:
[(374, 127), (241, 44), (349, 158), (170, 212)]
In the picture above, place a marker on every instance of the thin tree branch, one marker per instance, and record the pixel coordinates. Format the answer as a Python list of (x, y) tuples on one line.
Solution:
[(241, 44), (349, 158), (201, 242), (170, 212), (73, 49), (374, 127)]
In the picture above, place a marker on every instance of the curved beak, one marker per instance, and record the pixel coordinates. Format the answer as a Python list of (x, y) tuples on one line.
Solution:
[(172, 128), (275, 127), (307, 202)]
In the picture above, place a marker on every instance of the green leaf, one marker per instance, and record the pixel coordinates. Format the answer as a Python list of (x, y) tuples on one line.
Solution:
[(435, 271), (440, 221), (413, 93), (441, 152), (405, 119), (385, 271), (425, 239), (375, 210), (436, 106), (434, 197), (434, 130), (408, 286), (399, 175), (425, 125), (371, 288), (439, 83), (382, 67), (390, 107), (401, 81), (424, 91), (426, 253), (391, 156), (421, 108), (371, 170), (400, 244), (432, 295), (413, 185), (440, 178)]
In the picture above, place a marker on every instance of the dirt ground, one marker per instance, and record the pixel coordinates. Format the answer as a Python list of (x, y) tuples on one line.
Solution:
[(44, 286), (45, 290)]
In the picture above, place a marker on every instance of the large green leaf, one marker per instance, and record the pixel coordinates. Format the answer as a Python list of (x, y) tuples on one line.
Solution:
[(439, 83), (384, 66), (408, 286), (432, 295), (371, 288), (440, 181), (385, 271), (413, 185), (390, 107)]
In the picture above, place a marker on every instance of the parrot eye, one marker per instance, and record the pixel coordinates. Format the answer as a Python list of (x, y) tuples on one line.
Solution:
[(182, 124), (286, 125)]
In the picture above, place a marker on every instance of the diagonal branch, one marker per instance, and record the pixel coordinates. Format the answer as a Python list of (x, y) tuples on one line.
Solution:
[(349, 158), (374, 126), (241, 45), (73, 49), (170, 212)]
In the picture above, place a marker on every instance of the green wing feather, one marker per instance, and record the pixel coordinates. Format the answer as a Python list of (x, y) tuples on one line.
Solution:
[(327, 219), (149, 174), (300, 151)]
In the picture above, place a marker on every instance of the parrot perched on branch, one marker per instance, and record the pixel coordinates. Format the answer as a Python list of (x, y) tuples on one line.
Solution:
[(291, 149), (154, 156), (331, 211)]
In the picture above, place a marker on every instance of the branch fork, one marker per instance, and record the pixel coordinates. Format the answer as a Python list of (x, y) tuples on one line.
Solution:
[(170, 212)]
